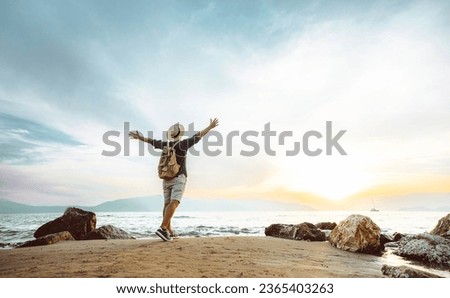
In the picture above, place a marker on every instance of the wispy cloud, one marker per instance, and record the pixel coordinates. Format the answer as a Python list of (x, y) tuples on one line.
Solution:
[(69, 71), (26, 142)]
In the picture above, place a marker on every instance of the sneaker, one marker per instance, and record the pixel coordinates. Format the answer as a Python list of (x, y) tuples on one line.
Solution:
[(174, 235), (163, 234)]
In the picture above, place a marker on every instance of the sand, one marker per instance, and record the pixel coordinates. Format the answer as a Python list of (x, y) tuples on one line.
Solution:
[(188, 257)]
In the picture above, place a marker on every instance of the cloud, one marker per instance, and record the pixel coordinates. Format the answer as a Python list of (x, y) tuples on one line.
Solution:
[(24, 141), (71, 71), (28, 186)]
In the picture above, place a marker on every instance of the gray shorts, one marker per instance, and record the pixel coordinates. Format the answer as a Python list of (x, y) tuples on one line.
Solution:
[(174, 188)]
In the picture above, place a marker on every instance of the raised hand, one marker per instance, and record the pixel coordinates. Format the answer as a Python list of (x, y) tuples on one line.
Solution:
[(134, 134), (213, 123)]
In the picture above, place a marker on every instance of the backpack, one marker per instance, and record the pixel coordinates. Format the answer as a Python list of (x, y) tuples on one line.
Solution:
[(168, 166)]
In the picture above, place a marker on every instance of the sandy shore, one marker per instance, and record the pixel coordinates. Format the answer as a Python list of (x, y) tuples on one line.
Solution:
[(188, 257)]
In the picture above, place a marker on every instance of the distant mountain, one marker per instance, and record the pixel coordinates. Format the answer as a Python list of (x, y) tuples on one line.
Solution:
[(139, 204), (9, 207), (417, 202), (155, 203)]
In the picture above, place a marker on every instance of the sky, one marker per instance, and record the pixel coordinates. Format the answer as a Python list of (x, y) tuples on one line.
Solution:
[(71, 71)]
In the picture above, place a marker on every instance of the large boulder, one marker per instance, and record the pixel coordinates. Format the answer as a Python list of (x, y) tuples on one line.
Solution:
[(326, 225), (443, 227), (406, 272), (74, 220), (108, 232), (48, 239), (430, 249), (303, 231), (357, 233)]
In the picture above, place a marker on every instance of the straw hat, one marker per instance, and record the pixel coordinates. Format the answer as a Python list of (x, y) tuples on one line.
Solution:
[(175, 132)]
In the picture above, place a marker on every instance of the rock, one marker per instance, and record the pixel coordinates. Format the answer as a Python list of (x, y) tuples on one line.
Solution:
[(108, 232), (384, 238), (308, 231), (326, 225), (357, 233), (275, 230), (398, 236), (427, 248), (443, 227), (78, 222), (406, 272), (391, 244), (48, 239), (303, 231)]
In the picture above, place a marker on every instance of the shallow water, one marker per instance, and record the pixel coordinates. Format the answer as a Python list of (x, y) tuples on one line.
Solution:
[(390, 258)]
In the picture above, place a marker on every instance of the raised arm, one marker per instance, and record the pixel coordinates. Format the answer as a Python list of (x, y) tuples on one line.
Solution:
[(138, 136), (212, 124)]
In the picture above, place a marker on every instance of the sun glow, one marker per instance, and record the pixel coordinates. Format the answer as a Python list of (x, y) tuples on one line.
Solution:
[(333, 178)]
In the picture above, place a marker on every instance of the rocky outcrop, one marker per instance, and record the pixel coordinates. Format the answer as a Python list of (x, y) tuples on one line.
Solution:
[(357, 233), (406, 272), (74, 224), (48, 239), (326, 225), (108, 232), (397, 236), (443, 227), (76, 221), (427, 248), (303, 231), (385, 238)]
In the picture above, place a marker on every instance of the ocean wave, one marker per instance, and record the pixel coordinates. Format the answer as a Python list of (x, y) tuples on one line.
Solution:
[(8, 233), (248, 231), (9, 245), (235, 231), (204, 227), (191, 234)]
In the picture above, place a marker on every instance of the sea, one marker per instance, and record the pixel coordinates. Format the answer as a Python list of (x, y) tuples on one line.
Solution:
[(18, 228)]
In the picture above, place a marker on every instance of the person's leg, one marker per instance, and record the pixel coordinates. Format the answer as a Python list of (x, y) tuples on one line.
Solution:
[(167, 187), (177, 191), (169, 212), (166, 204), (167, 191)]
